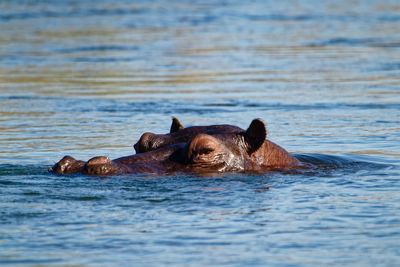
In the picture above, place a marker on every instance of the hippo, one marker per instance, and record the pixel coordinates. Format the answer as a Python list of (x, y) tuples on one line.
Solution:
[(178, 134), (234, 151)]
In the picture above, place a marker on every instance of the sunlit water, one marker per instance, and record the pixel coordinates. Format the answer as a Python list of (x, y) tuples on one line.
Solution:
[(87, 78)]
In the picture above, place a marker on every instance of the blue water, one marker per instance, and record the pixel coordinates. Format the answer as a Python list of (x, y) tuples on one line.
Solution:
[(88, 78)]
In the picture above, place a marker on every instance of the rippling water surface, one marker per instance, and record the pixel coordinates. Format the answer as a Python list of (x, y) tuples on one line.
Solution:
[(88, 78)]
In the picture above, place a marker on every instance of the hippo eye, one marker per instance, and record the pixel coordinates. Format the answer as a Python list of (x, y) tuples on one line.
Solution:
[(204, 151)]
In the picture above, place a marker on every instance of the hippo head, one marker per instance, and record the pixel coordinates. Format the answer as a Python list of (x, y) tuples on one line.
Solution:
[(213, 154), (227, 152), (246, 151)]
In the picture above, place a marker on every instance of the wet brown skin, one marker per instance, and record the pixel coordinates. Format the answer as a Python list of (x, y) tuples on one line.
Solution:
[(178, 134), (240, 151), (68, 165), (159, 162)]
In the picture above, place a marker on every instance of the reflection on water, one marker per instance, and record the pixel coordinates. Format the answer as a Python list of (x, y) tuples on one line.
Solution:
[(88, 78), (141, 51)]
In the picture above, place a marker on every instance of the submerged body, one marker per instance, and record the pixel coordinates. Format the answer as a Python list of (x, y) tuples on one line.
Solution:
[(235, 150)]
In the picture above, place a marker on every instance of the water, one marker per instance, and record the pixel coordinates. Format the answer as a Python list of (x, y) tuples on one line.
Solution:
[(86, 79)]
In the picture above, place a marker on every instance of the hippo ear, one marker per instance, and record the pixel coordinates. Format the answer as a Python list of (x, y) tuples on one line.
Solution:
[(176, 125), (255, 135)]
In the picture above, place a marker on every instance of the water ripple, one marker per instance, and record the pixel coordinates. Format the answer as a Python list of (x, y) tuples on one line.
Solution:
[(68, 14), (354, 42), (100, 48), (89, 77)]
